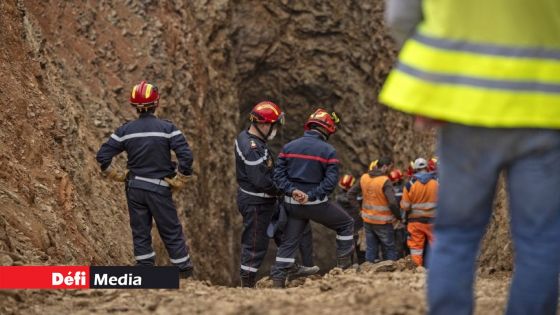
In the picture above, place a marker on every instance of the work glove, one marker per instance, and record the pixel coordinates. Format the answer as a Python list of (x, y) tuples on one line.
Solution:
[(114, 174), (178, 182)]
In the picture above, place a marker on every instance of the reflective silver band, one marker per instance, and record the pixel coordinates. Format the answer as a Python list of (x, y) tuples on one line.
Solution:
[(179, 260), (250, 163), (528, 86), (488, 49), (375, 208), (345, 237), (146, 134), (262, 195), (291, 201), (378, 217), (146, 256), (424, 206), (429, 213), (152, 180), (247, 268), (287, 260)]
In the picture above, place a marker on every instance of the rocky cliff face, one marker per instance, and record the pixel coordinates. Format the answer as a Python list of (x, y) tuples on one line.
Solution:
[(66, 71)]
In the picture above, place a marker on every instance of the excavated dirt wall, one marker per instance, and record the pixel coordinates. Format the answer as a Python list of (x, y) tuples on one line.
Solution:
[(66, 69)]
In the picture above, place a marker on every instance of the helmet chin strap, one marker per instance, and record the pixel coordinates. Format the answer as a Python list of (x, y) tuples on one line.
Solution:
[(261, 134)]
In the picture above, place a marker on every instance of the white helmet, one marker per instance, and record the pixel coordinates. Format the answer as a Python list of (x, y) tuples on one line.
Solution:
[(420, 163)]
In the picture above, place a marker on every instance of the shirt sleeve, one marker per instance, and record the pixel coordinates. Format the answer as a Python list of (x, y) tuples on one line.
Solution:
[(179, 144), (405, 201), (402, 17), (330, 180), (280, 176), (112, 147), (258, 171), (353, 194), (390, 195)]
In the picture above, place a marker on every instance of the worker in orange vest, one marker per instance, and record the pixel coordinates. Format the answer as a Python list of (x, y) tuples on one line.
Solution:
[(379, 210), (419, 202)]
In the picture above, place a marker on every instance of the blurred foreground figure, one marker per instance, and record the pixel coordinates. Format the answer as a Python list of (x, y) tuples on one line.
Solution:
[(490, 69)]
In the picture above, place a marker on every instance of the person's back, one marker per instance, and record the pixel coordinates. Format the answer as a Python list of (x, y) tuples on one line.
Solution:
[(147, 142), (419, 203), (150, 177), (307, 160), (489, 72)]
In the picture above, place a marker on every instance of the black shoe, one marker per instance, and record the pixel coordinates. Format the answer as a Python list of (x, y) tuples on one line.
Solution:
[(185, 274), (302, 271), (344, 262), (248, 282), (279, 283)]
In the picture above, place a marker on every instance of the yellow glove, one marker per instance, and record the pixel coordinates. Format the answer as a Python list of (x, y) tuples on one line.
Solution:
[(115, 175), (178, 182)]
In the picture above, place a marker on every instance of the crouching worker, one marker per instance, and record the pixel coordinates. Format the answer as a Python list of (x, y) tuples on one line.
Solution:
[(151, 177)]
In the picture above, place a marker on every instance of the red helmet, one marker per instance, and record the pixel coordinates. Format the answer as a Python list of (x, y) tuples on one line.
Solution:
[(322, 118), (266, 112), (432, 164), (144, 96), (410, 171), (346, 182), (396, 175)]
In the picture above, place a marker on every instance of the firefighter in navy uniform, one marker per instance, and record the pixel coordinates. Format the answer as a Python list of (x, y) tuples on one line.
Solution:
[(257, 193), (307, 172), (151, 177)]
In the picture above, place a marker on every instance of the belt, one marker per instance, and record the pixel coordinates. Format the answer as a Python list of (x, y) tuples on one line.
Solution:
[(291, 201), (152, 180), (262, 195)]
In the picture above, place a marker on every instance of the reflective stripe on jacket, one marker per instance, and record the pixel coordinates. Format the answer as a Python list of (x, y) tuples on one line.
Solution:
[(375, 206), (456, 68), (420, 199)]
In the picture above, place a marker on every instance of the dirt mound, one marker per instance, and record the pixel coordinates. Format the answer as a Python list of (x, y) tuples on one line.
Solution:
[(353, 291)]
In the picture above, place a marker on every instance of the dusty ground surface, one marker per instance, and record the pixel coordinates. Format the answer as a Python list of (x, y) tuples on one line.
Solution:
[(364, 291)]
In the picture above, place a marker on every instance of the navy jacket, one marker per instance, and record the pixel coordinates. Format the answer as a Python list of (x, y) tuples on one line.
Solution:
[(148, 142), (309, 164), (253, 165)]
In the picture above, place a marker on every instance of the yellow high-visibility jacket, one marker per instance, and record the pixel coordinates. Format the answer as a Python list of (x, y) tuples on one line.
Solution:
[(490, 63)]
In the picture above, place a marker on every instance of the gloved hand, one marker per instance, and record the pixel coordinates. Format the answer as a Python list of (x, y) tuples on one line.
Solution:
[(179, 181), (114, 174)]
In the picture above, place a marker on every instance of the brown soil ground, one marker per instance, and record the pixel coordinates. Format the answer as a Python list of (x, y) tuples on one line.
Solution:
[(364, 291)]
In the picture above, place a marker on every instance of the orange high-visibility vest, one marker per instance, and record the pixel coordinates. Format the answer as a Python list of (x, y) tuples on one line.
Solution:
[(375, 206), (420, 199)]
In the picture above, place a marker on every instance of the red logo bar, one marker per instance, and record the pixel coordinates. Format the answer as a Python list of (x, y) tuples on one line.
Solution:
[(44, 277)]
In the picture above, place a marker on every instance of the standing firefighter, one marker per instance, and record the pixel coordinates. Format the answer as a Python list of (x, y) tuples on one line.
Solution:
[(307, 172), (256, 196), (151, 176), (490, 69), (419, 202), (379, 210)]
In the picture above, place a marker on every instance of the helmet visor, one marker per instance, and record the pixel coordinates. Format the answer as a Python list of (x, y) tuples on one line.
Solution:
[(282, 119)]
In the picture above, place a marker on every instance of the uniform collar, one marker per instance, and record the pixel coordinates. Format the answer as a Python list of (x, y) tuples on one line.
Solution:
[(314, 134), (252, 136), (147, 115)]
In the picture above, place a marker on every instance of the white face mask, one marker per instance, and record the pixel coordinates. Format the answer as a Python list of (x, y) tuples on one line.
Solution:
[(272, 134)]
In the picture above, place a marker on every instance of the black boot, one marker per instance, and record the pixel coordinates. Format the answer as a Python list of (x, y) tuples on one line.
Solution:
[(345, 262), (248, 282), (186, 273), (279, 283)]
